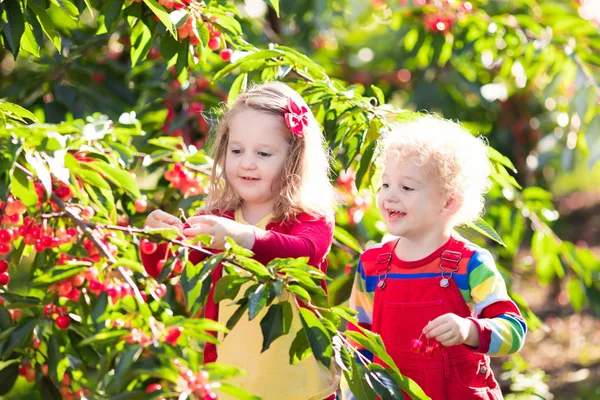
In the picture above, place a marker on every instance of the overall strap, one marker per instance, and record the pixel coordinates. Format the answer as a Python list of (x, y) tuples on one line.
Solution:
[(453, 254)]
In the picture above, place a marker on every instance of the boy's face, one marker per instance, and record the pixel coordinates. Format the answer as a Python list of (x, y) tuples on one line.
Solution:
[(256, 152), (411, 200)]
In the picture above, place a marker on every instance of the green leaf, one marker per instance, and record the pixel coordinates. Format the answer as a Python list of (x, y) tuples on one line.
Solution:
[(236, 391), (260, 55), (446, 52), (228, 287), (373, 343), (236, 248), (48, 390), (383, 384), (162, 15), (47, 25), (253, 266), (68, 7), (486, 230), (31, 41), (318, 337), (276, 323), (141, 42), (240, 84), (89, 5), (275, 5), (379, 95), (16, 111), (257, 300), (300, 348), (8, 376), (168, 267), (365, 169), (345, 238), (118, 177), (358, 386), (298, 291), (241, 310), (196, 280), (20, 336), (126, 360), (576, 291), (59, 273), (410, 40), (103, 338), (93, 178), (112, 13), (165, 233), (54, 357), (22, 188), (15, 27)]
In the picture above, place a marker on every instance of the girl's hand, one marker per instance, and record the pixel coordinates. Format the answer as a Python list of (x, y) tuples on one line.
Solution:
[(450, 329), (218, 228), (161, 219)]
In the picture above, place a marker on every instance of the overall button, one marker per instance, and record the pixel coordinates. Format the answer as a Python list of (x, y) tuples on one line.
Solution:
[(482, 369)]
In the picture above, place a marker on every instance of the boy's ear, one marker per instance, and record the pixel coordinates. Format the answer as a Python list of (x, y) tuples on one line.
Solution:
[(452, 204)]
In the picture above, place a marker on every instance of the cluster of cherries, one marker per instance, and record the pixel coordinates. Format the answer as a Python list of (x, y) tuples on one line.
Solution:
[(427, 347), (185, 180), (60, 315), (187, 30)]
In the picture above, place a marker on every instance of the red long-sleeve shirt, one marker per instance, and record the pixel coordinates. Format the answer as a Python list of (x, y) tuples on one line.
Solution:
[(308, 236)]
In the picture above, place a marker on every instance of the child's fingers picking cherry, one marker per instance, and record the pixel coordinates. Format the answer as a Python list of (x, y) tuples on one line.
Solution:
[(450, 329), (161, 219)]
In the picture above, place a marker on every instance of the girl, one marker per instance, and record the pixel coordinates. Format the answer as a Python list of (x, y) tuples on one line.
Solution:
[(271, 193), (438, 300)]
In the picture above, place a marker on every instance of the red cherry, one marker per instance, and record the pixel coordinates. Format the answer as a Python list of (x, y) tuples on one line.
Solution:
[(36, 343), (64, 288), (63, 321), (153, 387), (5, 235), (225, 54), (3, 266), (140, 205), (64, 193), (429, 352), (160, 290), (417, 345), (173, 335), (4, 248), (87, 212), (437, 346), (148, 247), (48, 309), (214, 43), (78, 280), (4, 279)]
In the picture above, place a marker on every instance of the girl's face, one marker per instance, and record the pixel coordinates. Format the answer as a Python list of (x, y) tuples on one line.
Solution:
[(256, 152)]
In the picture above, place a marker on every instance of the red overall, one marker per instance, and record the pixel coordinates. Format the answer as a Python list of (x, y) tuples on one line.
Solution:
[(404, 307)]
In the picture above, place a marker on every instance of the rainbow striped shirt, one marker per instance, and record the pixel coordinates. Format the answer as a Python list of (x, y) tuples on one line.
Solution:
[(501, 327)]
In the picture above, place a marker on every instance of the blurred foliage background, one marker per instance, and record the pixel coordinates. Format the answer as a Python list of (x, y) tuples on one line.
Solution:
[(523, 73)]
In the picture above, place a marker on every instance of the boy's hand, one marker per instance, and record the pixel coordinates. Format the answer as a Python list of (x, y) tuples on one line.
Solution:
[(218, 228), (450, 329), (161, 219)]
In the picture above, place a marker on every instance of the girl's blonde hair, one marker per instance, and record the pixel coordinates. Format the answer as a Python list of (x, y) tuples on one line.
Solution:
[(305, 185), (457, 159)]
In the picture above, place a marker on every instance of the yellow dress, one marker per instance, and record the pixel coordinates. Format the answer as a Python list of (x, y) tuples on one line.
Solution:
[(269, 374)]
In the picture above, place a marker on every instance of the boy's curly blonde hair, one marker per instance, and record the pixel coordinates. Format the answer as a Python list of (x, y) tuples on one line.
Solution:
[(458, 160), (305, 185)]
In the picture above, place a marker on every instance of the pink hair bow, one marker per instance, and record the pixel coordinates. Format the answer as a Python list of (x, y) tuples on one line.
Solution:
[(296, 119)]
